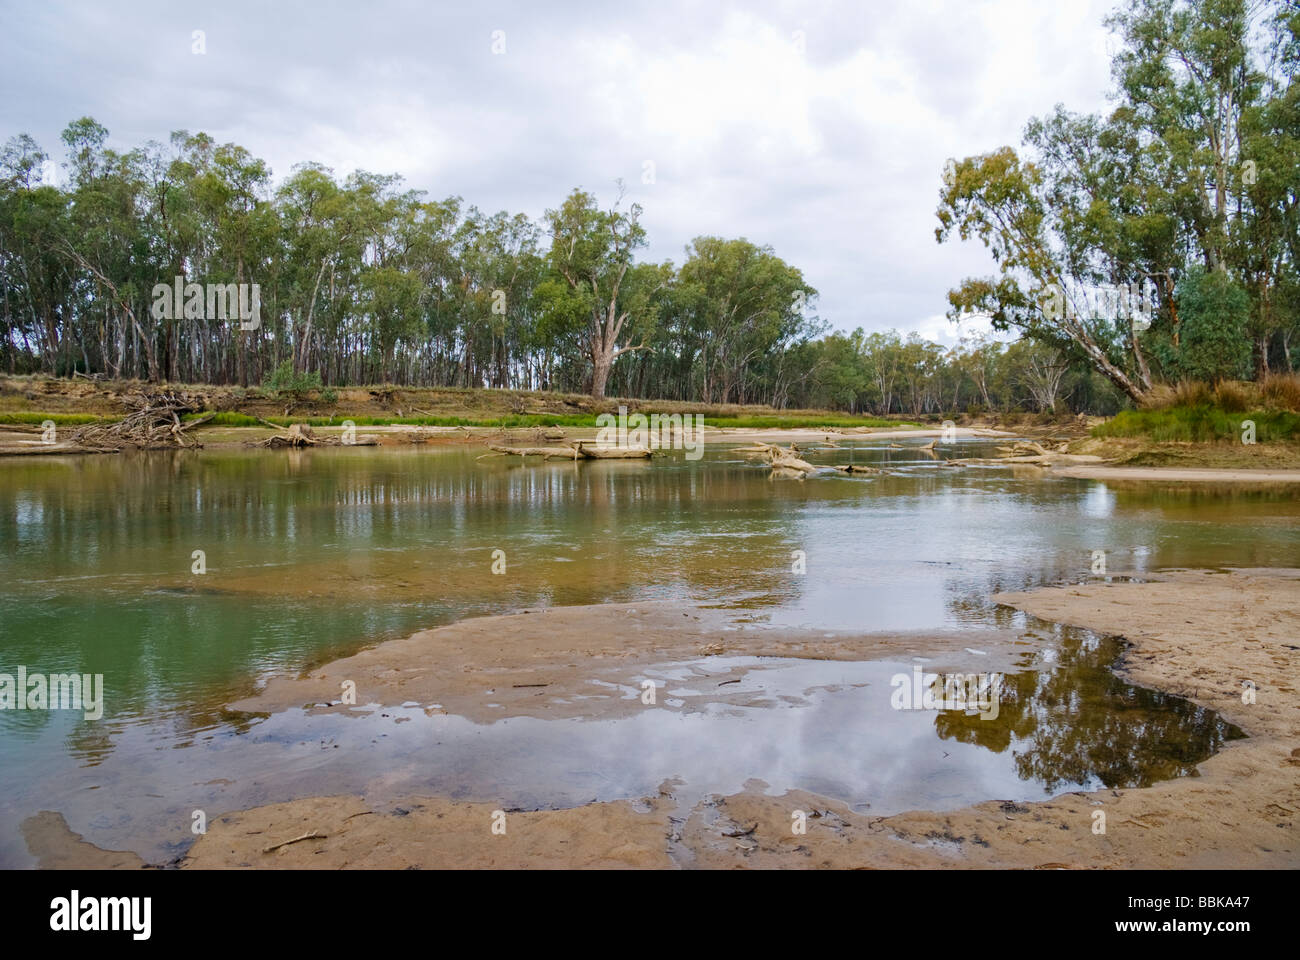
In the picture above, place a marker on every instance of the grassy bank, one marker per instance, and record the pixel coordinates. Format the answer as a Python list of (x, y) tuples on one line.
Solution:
[(1231, 424), (1202, 424), (31, 400)]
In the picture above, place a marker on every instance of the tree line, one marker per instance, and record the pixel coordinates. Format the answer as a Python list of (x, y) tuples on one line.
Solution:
[(364, 281), (1187, 191)]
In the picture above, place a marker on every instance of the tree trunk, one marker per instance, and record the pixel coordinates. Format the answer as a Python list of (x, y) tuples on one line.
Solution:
[(602, 362)]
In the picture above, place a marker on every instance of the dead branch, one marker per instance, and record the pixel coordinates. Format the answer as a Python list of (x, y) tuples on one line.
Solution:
[(314, 835), (154, 423)]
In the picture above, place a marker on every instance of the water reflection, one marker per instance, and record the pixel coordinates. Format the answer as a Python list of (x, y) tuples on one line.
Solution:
[(1078, 724), (311, 554)]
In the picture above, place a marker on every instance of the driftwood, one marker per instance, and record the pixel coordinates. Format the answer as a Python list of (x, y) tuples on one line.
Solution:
[(783, 462), (1024, 448), (611, 453), (577, 450), (546, 453), (154, 423), (312, 835), (298, 435), (856, 468), (301, 435)]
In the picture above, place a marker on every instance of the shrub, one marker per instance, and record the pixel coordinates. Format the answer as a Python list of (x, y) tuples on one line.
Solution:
[(286, 382), (1213, 342), (1190, 393)]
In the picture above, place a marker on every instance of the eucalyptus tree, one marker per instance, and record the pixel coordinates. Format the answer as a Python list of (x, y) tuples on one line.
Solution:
[(1196, 164), (748, 304), (593, 250)]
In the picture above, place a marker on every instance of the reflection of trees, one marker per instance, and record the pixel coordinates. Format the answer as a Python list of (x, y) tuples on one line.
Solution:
[(1079, 721)]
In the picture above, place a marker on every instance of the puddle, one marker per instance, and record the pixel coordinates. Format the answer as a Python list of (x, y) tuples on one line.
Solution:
[(1064, 722)]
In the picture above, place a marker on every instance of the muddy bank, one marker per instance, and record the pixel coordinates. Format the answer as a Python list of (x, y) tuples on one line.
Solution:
[(25, 441), (1200, 634)]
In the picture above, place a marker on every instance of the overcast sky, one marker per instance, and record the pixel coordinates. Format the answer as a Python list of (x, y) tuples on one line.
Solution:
[(818, 128)]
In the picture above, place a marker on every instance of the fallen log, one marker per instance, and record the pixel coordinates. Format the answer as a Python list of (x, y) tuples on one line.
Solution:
[(298, 435), (612, 453), (785, 462), (577, 450), (546, 453), (791, 462)]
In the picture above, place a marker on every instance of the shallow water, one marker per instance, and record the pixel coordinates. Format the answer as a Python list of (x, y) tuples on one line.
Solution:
[(310, 554)]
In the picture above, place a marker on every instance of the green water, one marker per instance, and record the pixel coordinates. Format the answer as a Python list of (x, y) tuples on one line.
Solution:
[(312, 554)]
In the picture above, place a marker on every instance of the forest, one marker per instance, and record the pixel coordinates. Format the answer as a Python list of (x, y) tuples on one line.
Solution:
[(1188, 187)]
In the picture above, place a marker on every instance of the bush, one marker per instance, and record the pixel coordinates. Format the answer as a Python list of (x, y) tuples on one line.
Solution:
[(1190, 393), (1213, 341), (286, 382)]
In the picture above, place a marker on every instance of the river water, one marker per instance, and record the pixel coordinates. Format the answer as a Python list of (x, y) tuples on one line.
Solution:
[(309, 555)]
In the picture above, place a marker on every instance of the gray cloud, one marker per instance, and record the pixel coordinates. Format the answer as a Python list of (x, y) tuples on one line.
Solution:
[(820, 129)]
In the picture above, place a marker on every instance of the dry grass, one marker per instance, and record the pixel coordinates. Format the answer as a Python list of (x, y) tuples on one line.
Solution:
[(1235, 397), (1278, 391), (1282, 390)]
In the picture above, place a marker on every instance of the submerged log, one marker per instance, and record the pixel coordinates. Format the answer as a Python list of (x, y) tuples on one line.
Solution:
[(784, 462), (791, 462)]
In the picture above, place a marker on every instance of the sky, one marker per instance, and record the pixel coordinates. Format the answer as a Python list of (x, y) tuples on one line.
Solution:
[(819, 129)]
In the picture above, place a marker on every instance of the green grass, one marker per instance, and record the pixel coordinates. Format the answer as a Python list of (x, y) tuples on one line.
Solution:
[(62, 419), (1200, 424), (760, 423), (233, 419), (230, 419)]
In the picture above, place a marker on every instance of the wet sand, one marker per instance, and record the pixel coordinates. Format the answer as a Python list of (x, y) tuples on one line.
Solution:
[(1200, 634), (1176, 474), (545, 663)]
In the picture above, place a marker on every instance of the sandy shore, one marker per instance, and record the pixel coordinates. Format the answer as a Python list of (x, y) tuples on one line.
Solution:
[(1200, 634), (1176, 474)]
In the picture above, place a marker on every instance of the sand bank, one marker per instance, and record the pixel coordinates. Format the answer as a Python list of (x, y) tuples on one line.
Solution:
[(1200, 634), (1176, 474), (1209, 636)]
